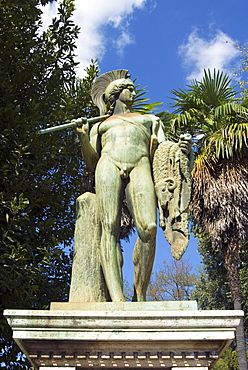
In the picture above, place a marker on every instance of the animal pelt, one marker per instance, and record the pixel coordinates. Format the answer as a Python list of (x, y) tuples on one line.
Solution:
[(172, 178)]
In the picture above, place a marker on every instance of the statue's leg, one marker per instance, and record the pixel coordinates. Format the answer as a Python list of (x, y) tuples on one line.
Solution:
[(142, 205), (109, 195)]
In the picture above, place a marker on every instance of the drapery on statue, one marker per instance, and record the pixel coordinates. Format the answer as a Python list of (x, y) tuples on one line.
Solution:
[(122, 150)]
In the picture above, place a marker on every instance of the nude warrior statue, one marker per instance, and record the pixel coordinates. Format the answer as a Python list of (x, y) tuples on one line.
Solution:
[(119, 150)]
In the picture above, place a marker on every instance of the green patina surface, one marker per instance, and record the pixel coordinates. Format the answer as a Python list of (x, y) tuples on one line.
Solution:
[(122, 150)]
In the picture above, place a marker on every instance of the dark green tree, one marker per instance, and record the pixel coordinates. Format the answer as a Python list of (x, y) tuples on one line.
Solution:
[(212, 290), (229, 361), (39, 177)]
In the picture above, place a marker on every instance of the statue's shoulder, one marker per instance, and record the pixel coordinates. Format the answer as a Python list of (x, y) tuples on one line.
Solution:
[(94, 128), (152, 117)]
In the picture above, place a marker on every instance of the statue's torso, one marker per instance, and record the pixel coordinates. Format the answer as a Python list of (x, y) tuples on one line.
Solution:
[(126, 138)]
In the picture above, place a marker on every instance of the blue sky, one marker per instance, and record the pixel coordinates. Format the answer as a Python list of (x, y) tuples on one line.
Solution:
[(166, 44)]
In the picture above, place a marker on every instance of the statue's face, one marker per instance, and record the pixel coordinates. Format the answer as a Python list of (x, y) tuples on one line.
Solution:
[(127, 95)]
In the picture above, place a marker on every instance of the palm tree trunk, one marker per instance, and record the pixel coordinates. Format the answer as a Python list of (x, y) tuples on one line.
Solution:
[(240, 339), (232, 267)]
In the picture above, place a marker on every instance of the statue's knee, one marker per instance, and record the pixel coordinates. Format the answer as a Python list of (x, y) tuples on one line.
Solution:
[(148, 232), (152, 229)]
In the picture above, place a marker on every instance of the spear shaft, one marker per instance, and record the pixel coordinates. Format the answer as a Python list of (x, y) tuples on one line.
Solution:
[(73, 123)]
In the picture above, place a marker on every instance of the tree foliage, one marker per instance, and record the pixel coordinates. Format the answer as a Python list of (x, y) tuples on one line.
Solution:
[(211, 111), (39, 178), (36, 71), (173, 282), (241, 72), (229, 361), (212, 290)]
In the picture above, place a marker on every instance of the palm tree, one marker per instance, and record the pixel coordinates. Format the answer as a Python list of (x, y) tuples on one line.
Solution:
[(210, 110)]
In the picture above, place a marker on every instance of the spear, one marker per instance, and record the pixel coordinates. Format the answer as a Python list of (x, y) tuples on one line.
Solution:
[(73, 123)]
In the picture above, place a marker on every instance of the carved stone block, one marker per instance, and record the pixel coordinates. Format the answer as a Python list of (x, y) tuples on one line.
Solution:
[(87, 282)]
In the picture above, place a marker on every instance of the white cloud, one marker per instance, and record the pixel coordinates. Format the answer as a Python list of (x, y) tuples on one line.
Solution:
[(126, 38), (92, 16), (49, 12), (199, 53)]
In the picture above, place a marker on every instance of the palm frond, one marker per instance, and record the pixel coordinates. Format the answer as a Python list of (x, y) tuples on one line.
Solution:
[(208, 109), (204, 162), (215, 89), (245, 102), (183, 118), (231, 109), (226, 141), (237, 133), (141, 104), (185, 100), (170, 132)]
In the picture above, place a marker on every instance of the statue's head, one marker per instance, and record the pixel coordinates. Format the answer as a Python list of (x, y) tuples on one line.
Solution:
[(114, 90), (107, 88)]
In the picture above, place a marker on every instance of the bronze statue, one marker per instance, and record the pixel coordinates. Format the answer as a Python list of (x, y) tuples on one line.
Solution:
[(120, 150)]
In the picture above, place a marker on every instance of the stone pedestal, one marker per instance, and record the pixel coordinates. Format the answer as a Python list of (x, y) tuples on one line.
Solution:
[(123, 335)]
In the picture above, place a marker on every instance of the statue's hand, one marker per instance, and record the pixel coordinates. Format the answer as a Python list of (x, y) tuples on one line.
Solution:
[(185, 143), (82, 129)]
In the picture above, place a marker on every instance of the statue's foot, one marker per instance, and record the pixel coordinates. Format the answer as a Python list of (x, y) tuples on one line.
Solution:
[(138, 297), (119, 300), (141, 298)]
